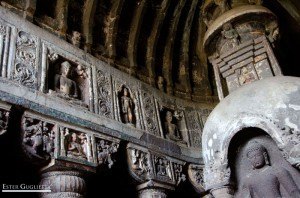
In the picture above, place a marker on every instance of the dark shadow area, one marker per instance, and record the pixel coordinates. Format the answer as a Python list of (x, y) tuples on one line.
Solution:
[(15, 168)]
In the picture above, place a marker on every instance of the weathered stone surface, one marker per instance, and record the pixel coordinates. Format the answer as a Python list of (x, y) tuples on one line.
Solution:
[(270, 105)]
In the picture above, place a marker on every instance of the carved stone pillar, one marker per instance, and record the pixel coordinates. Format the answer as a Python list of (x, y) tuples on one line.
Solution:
[(63, 184), (152, 189), (157, 174), (239, 43)]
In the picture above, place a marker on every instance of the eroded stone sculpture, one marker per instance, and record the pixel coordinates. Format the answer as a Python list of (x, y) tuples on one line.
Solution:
[(162, 167), (63, 84), (76, 38), (140, 162), (230, 38), (266, 179), (75, 144), (105, 149), (3, 121), (127, 107), (171, 129), (38, 138)]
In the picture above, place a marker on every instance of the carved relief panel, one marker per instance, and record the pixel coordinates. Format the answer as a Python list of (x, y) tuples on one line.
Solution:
[(139, 162), (26, 59), (39, 138), (162, 168), (75, 144), (103, 93), (195, 128), (104, 149), (4, 116), (4, 47), (145, 165), (67, 79), (149, 113)]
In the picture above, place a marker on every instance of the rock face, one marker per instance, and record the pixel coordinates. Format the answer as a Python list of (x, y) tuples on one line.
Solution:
[(272, 106)]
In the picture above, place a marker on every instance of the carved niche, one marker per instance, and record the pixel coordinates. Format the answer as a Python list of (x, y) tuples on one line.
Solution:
[(26, 60), (68, 80), (127, 106), (103, 94), (75, 144), (262, 172), (173, 125), (38, 138), (105, 150)]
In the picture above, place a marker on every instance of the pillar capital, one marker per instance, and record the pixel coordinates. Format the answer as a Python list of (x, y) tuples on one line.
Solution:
[(155, 172)]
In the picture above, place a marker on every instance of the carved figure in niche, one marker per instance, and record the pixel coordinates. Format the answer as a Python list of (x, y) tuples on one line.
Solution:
[(161, 83), (63, 84), (265, 180), (172, 131), (127, 107), (161, 167), (75, 144), (246, 76), (76, 38), (3, 121), (139, 161), (104, 151), (212, 9), (230, 38)]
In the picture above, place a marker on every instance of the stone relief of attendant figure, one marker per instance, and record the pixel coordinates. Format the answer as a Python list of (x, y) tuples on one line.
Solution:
[(65, 86), (266, 180), (75, 146), (230, 38), (126, 107)]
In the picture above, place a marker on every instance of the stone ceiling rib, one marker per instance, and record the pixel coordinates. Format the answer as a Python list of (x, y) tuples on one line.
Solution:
[(168, 52)]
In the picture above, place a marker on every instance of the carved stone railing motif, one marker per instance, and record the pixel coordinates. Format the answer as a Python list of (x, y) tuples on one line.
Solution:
[(49, 76)]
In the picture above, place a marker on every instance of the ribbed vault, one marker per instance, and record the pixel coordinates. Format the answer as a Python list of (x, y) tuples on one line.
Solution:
[(152, 39)]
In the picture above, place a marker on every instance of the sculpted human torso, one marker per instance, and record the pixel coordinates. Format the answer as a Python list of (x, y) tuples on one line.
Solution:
[(266, 180)]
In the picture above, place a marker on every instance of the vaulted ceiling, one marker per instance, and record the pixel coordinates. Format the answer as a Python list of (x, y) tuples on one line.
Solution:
[(152, 38)]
